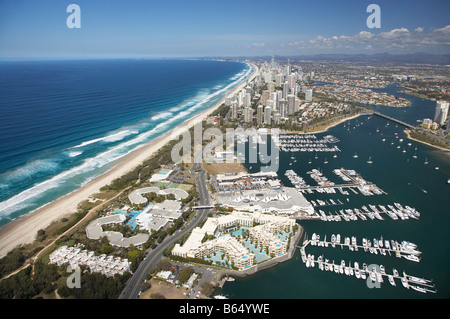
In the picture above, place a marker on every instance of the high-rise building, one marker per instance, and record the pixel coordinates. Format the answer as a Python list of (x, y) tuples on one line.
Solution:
[(265, 96), (285, 89), (259, 115), (283, 108), (272, 64), (267, 77), (248, 99), (267, 115), (234, 110), (278, 80), (291, 104), (271, 87), (441, 112), (240, 98), (293, 81), (248, 115), (276, 118), (308, 95), (274, 98), (427, 123), (297, 89)]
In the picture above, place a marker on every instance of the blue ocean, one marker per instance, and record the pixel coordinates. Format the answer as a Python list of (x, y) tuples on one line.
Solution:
[(66, 122)]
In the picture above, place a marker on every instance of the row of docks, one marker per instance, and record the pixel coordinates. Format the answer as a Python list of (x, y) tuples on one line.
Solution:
[(331, 202), (372, 273), (310, 148), (329, 187), (373, 212), (375, 273), (325, 185), (306, 143), (385, 247)]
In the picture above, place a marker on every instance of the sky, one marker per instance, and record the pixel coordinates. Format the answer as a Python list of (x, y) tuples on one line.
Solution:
[(34, 29)]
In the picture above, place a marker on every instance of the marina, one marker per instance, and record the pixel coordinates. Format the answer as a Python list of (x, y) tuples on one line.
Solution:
[(375, 274), (402, 177), (365, 213), (356, 182), (403, 249), (306, 143)]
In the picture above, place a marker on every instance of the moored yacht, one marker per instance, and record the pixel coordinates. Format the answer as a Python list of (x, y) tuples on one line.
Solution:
[(405, 282), (391, 280), (419, 289), (411, 258)]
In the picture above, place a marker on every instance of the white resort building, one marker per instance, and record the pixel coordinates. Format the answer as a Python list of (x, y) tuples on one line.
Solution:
[(264, 233), (107, 265)]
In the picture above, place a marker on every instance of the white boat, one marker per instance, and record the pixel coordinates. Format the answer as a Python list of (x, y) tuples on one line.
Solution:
[(395, 272), (419, 289), (383, 271), (379, 277), (373, 277), (370, 161), (416, 279), (357, 274), (391, 280), (405, 283), (411, 258), (355, 156), (408, 245)]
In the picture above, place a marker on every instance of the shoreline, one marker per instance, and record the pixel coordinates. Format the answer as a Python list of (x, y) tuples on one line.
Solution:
[(406, 131), (23, 230), (330, 125)]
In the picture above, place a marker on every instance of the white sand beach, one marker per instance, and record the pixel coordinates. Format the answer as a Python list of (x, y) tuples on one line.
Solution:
[(23, 230)]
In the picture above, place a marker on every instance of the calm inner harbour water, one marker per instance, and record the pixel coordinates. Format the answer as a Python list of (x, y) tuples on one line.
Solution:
[(405, 179)]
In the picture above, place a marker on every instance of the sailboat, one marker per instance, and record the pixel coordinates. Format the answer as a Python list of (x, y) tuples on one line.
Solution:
[(326, 161), (426, 161), (355, 156), (370, 160), (334, 156)]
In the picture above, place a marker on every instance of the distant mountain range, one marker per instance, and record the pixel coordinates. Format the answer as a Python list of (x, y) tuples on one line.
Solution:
[(414, 58)]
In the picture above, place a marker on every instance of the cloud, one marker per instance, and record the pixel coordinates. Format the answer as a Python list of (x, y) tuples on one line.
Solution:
[(397, 39), (258, 45)]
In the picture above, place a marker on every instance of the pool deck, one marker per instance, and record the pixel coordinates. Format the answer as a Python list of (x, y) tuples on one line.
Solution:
[(221, 276)]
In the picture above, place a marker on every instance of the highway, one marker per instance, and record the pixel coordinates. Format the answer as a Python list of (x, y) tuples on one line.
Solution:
[(134, 285)]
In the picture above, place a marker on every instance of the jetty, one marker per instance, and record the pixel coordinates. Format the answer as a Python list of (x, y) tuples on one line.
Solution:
[(376, 274), (402, 249)]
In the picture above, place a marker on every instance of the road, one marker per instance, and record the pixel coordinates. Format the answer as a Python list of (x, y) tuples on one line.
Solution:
[(134, 285)]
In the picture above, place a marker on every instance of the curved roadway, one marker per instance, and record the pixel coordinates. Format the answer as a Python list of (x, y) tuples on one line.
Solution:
[(133, 287)]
